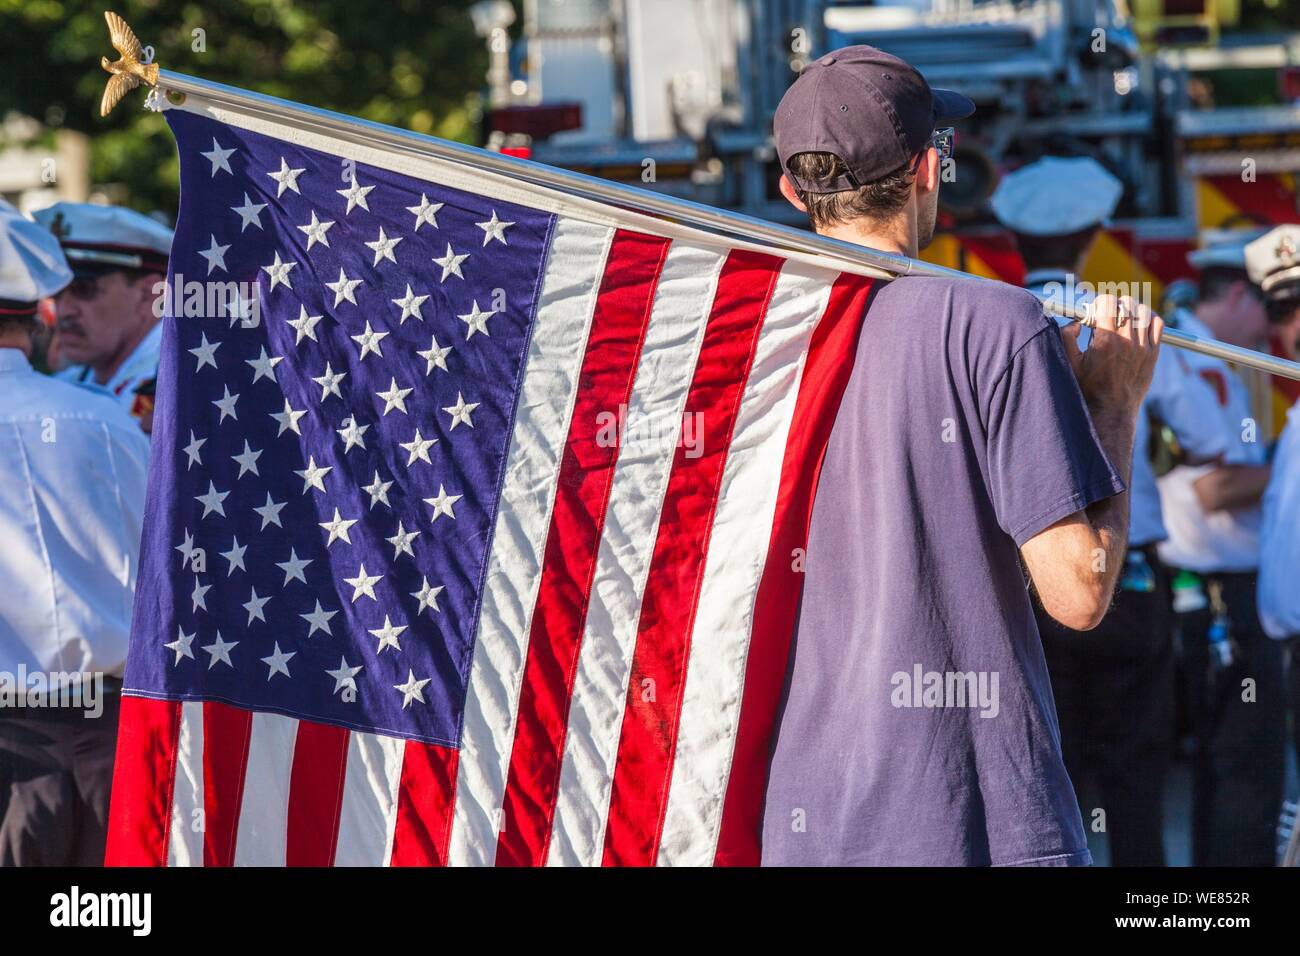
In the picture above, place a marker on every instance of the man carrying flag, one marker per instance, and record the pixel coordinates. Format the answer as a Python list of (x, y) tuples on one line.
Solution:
[(918, 725)]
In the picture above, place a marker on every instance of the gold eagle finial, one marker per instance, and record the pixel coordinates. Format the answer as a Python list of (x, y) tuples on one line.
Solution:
[(129, 69)]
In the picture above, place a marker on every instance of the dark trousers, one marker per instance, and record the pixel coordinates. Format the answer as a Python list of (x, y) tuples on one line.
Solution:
[(1240, 760), (1114, 690), (56, 770)]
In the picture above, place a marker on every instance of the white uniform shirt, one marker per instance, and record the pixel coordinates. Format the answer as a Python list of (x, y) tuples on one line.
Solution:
[(1177, 396), (140, 366), (1279, 544), (1218, 540), (72, 481)]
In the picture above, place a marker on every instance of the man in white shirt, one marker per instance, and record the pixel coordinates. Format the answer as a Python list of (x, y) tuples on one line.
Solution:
[(108, 325), (1114, 686), (1274, 263), (72, 480), (1234, 678)]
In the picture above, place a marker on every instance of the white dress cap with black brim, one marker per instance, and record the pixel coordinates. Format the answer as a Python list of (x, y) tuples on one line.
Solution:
[(32, 266), (98, 239), (1056, 196)]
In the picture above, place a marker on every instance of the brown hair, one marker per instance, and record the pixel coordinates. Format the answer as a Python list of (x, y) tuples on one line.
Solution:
[(1054, 252), (877, 200)]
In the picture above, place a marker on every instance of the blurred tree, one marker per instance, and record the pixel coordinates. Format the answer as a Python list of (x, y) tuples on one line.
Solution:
[(411, 63)]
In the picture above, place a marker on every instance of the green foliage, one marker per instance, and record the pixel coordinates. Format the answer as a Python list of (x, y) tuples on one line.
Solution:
[(410, 63)]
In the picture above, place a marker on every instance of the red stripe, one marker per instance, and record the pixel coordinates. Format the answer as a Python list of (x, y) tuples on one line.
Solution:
[(648, 741), (226, 734), (425, 798), (618, 327), (144, 772), (320, 759), (826, 373)]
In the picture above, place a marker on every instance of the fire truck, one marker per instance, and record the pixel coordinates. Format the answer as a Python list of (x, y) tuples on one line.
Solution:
[(678, 96)]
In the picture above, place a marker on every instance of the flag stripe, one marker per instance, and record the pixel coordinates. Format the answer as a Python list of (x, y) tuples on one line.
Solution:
[(424, 805), (682, 305), (264, 810), (143, 771), (369, 812), (644, 759), (710, 708), (829, 362), (185, 846), (320, 754), (577, 518), (574, 268), (226, 733)]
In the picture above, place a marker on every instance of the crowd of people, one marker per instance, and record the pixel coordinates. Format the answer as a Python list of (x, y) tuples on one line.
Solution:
[(1152, 533)]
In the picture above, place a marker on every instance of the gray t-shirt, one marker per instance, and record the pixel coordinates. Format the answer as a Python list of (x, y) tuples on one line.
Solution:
[(918, 725)]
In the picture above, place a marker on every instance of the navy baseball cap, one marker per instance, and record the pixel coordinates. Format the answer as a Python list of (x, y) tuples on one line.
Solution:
[(868, 108)]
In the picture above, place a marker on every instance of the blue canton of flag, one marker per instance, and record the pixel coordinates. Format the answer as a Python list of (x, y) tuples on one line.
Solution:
[(328, 463)]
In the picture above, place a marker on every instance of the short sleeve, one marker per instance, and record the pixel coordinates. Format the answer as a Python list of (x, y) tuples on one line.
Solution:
[(1045, 460)]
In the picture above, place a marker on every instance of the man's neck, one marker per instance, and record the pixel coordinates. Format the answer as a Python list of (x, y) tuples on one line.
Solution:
[(105, 371), (897, 236)]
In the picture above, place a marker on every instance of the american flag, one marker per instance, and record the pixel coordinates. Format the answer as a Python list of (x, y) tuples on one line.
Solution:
[(481, 544)]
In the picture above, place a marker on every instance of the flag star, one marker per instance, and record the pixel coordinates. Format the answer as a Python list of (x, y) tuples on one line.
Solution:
[(344, 289), (206, 352), (286, 178), (329, 382), (215, 254), (315, 231), (279, 272), (412, 689), (270, 512), (186, 548), (192, 451), (235, 556), (450, 263), (304, 325), (494, 229), (383, 247), (442, 504), (355, 195), (460, 412), (378, 491), (212, 501), (319, 620), (364, 584), (249, 213), (425, 212), (181, 645), (476, 321), (241, 310), (264, 365), (288, 419), (435, 355), (313, 476), (247, 461), (338, 528), (227, 404), (197, 596), (427, 595), (219, 158), (345, 676), (220, 651), (352, 434), (388, 635), (410, 304), (401, 541), (278, 661), (395, 397), (293, 568), (419, 448), (255, 605), (369, 341)]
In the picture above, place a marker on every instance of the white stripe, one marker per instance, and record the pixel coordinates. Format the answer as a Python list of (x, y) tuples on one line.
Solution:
[(185, 841), (574, 268), (369, 810), (264, 811), (742, 529), (683, 302)]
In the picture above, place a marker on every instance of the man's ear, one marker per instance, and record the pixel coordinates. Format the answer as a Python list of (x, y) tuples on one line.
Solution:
[(792, 197), (928, 173)]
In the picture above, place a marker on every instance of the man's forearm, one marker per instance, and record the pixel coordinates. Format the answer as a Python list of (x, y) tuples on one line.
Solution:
[(1109, 517), (1232, 486)]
